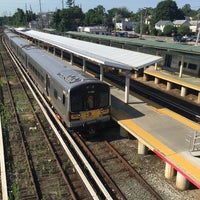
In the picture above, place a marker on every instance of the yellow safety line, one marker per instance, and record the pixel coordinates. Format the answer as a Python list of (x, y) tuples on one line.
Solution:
[(180, 118), (185, 165), (173, 80), (152, 143)]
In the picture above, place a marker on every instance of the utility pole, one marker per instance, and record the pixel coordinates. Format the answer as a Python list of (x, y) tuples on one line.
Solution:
[(62, 4), (198, 29), (141, 23), (26, 15), (141, 20), (198, 37), (41, 15)]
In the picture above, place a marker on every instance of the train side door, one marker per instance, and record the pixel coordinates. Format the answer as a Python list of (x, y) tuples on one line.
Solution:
[(47, 84)]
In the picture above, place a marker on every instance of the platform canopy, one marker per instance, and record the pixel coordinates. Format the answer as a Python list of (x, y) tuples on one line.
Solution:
[(101, 54)]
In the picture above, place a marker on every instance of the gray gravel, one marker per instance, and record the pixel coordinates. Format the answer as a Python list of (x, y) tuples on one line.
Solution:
[(152, 168)]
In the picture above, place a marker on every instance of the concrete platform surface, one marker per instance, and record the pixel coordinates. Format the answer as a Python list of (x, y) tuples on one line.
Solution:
[(161, 130), (186, 80)]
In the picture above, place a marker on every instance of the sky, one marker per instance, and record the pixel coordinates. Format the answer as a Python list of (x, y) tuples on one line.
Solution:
[(8, 7)]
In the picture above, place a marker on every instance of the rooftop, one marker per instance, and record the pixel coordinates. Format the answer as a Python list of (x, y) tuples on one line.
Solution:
[(105, 55)]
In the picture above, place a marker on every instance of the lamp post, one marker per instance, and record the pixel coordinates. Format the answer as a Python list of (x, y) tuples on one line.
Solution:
[(198, 37)]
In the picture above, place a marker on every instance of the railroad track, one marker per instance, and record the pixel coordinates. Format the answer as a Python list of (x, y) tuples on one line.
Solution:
[(178, 105), (48, 171), (39, 175), (117, 172), (169, 100), (115, 185)]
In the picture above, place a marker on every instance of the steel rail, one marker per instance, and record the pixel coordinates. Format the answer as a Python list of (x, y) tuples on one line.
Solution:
[(67, 150)]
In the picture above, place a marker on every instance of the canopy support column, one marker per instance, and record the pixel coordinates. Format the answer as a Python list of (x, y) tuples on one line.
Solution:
[(101, 72), (181, 67), (61, 54), (71, 58), (84, 67), (127, 86)]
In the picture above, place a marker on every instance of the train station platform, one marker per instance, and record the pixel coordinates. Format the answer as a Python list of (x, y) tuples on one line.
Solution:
[(162, 131), (171, 77)]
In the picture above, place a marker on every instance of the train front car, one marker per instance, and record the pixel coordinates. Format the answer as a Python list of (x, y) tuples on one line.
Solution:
[(90, 106)]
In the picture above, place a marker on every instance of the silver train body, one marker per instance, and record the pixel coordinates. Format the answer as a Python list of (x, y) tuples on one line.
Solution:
[(79, 100)]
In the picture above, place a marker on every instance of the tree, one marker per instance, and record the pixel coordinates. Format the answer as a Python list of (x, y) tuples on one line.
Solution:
[(30, 16), (67, 19), (19, 19), (183, 30), (186, 9), (166, 10), (168, 30), (95, 16), (56, 19), (70, 3), (120, 12)]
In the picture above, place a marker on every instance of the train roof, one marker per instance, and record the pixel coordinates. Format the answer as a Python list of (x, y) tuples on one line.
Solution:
[(64, 73), (10, 33), (109, 56)]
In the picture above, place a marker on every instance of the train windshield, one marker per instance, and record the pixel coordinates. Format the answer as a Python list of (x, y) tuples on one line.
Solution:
[(89, 97)]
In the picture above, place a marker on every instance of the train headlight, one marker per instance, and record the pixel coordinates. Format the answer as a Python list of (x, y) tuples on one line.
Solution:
[(105, 111), (75, 116)]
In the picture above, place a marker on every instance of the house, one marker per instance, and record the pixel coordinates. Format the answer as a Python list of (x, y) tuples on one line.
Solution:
[(43, 21), (160, 25), (178, 23), (194, 25), (126, 25), (33, 25), (101, 30)]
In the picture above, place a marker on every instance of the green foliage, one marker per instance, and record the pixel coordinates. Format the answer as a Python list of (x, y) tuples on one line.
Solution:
[(187, 11), (19, 18), (168, 30), (95, 16), (72, 16), (70, 3), (160, 33), (183, 30), (67, 19), (166, 10), (14, 194), (154, 31), (121, 12), (30, 16)]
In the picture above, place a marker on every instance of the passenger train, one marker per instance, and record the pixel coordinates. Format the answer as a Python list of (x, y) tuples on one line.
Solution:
[(82, 102)]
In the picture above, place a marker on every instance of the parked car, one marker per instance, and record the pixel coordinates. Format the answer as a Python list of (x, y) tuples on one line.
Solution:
[(179, 38), (132, 35)]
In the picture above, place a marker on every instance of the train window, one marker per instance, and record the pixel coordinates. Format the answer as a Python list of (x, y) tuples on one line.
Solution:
[(76, 103), (42, 78), (88, 98), (63, 99), (184, 64), (192, 66), (102, 99), (55, 94), (89, 102), (30, 65)]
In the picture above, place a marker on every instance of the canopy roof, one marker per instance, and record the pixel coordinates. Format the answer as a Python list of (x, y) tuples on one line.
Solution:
[(105, 55)]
